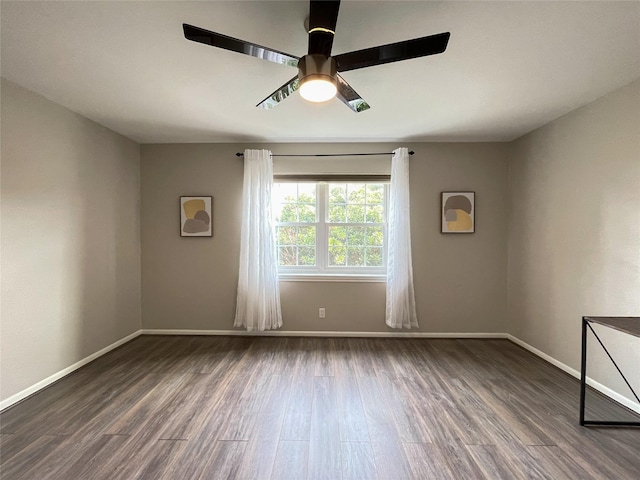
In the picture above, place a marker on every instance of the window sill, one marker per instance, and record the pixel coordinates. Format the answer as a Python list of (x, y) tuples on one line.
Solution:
[(321, 277)]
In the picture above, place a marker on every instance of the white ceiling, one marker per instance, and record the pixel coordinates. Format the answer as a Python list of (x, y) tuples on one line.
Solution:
[(510, 67)]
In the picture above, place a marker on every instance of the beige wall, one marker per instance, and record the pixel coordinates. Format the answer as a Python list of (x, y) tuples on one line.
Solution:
[(70, 238), (574, 233), (190, 283)]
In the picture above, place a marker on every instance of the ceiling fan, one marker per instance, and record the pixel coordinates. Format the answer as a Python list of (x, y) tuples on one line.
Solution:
[(318, 77)]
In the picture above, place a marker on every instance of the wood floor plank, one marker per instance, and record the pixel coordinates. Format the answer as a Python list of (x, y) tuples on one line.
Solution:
[(380, 419), (325, 460), (200, 351), (492, 462), (460, 461), (81, 458), (390, 460), (427, 462), (241, 419), (155, 400), (86, 400), (271, 411), (413, 416), (358, 461), (214, 460), (224, 462), (516, 458), (35, 406), (351, 417), (99, 417), (428, 421), (296, 423), (130, 356), (342, 357), (21, 465), (389, 456), (509, 409), (483, 425), (197, 401), (362, 358), (323, 360), (285, 356), (192, 407), (13, 443), (224, 357), (593, 448), (205, 428), (305, 365), (292, 459), (258, 459), (214, 418), (556, 463), (380, 357), (162, 457)]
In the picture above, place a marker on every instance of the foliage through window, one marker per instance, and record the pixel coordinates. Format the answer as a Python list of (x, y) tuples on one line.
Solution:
[(326, 227)]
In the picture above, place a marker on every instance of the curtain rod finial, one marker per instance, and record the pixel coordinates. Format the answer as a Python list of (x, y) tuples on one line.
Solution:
[(239, 154)]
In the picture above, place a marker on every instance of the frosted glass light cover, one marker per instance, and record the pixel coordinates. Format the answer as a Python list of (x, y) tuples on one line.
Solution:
[(318, 90)]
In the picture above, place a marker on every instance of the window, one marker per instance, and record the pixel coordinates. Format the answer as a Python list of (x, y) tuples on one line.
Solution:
[(331, 227)]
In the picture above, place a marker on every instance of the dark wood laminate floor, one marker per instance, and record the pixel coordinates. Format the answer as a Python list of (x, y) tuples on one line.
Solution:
[(314, 408)]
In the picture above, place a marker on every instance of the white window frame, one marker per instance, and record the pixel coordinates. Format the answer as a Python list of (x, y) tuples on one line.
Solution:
[(322, 271)]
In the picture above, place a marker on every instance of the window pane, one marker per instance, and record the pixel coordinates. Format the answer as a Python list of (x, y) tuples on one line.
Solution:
[(285, 192), (284, 197), (355, 213), (307, 256), (337, 236), (356, 192), (293, 202), (337, 193), (375, 236), (307, 236), (375, 193), (307, 193), (337, 213), (355, 257), (286, 212), (373, 257), (356, 236), (375, 214), (287, 256), (286, 235), (307, 213), (337, 256)]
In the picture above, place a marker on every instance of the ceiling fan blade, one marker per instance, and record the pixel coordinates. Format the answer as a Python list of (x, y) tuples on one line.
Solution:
[(349, 97), (323, 16), (280, 94), (393, 52), (219, 40)]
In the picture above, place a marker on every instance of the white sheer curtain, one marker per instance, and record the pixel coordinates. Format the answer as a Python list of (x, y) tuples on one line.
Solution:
[(258, 303), (401, 303)]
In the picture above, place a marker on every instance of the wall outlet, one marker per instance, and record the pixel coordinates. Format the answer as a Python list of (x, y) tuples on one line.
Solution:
[(321, 313)]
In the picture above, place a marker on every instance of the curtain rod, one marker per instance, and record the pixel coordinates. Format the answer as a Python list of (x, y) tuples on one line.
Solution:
[(411, 152)]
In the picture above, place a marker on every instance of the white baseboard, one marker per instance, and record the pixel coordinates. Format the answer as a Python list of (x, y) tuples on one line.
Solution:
[(575, 373), (64, 372), (320, 333)]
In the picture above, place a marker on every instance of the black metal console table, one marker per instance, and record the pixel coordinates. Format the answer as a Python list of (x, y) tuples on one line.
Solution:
[(629, 325)]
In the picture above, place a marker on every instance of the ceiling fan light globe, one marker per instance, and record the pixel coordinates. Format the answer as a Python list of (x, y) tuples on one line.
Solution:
[(318, 90)]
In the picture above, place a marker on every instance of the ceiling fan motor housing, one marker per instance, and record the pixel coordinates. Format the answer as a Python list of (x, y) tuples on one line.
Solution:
[(317, 67)]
